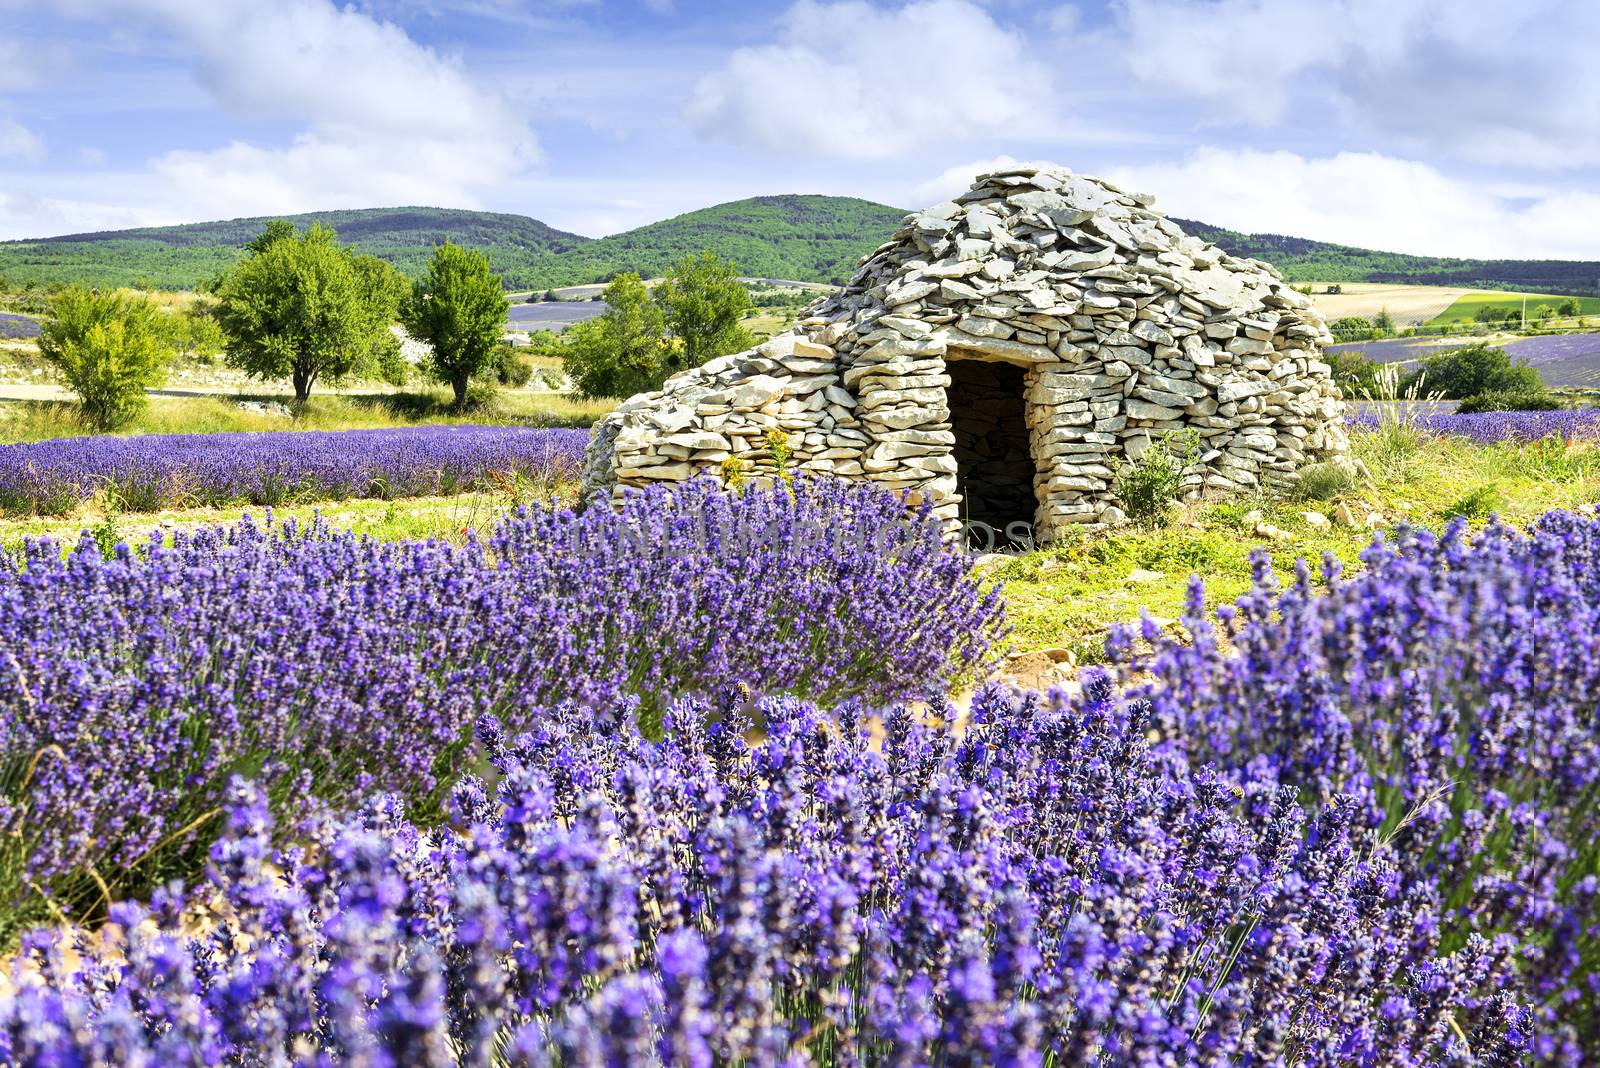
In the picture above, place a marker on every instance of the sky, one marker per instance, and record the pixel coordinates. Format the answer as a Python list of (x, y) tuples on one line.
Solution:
[(1444, 127)]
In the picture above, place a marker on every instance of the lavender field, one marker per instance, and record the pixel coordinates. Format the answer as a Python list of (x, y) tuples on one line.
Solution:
[(155, 471), (18, 326), (1563, 360), (1487, 428), (1335, 826)]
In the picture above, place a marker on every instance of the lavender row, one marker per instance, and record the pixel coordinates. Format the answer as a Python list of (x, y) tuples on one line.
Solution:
[(1042, 890), (1487, 428), (327, 665), (154, 471), (1449, 693)]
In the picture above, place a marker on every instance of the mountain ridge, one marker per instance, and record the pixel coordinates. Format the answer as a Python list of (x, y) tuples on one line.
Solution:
[(806, 237)]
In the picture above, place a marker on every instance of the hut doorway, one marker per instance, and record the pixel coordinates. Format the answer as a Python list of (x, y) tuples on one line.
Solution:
[(994, 458)]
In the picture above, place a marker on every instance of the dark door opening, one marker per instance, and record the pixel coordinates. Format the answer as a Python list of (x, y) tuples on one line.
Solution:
[(993, 458)]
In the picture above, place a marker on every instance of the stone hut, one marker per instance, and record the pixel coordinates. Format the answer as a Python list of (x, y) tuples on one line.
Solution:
[(1004, 354)]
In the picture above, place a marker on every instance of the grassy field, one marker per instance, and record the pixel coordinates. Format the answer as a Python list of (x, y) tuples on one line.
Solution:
[(36, 420), (1467, 306), (1069, 595), (1407, 304)]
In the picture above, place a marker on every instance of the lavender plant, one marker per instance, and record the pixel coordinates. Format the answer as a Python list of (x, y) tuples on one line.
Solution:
[(154, 471), (325, 665), (1043, 890), (1450, 691)]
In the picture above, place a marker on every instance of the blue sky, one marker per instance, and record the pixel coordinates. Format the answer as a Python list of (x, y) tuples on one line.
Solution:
[(1439, 126)]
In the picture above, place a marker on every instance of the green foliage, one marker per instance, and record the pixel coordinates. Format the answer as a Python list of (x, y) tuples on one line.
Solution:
[(1352, 328), (702, 301), (511, 368), (305, 308), (1500, 401), (620, 352), (1383, 322), (107, 349), (1473, 370), (1481, 502), (1325, 481), (810, 238), (1569, 308), (459, 308), (1148, 485), (1353, 373)]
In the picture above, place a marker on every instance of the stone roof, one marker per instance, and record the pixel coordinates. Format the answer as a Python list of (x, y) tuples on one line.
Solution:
[(1126, 328)]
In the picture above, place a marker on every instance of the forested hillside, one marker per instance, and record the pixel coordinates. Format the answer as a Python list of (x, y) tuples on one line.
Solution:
[(807, 238), (1304, 260)]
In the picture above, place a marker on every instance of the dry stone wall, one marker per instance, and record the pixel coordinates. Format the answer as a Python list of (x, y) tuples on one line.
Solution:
[(1105, 328)]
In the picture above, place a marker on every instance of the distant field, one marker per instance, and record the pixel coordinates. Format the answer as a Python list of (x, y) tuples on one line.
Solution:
[(1467, 306), (1408, 304), (1562, 360)]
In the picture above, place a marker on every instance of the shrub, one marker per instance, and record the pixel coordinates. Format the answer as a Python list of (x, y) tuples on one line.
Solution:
[(328, 665), (1352, 372), (1148, 485), (107, 348), (1352, 328), (1473, 370), (1449, 691), (1041, 890), (512, 369), (1325, 481), (1510, 402)]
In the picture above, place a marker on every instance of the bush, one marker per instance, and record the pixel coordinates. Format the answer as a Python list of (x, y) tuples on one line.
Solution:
[(1448, 691), (1510, 402), (1325, 481), (1040, 887), (1352, 328), (1148, 486), (107, 348), (1352, 372), (132, 686), (1473, 370), (512, 369)]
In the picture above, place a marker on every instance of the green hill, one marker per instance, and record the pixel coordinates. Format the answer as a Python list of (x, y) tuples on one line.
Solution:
[(179, 257), (807, 238), (1303, 260)]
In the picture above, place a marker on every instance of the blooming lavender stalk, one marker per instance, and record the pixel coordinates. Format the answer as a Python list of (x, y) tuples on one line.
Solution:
[(326, 665), (1042, 887)]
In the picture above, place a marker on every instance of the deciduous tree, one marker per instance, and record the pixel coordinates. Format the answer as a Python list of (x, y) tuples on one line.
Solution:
[(459, 308), (108, 349)]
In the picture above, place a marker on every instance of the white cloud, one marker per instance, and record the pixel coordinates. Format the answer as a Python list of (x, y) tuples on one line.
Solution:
[(1371, 200), (384, 119), (858, 80), (1500, 83), (19, 142)]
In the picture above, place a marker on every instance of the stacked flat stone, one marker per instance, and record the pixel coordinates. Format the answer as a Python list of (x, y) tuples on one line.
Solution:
[(1124, 327)]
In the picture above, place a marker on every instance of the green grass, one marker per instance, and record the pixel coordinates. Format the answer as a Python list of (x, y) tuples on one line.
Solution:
[(1467, 307), (1070, 595), (39, 420)]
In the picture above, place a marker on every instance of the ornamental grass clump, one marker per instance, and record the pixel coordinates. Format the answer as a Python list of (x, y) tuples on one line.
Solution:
[(1449, 691), (135, 682), (1043, 890)]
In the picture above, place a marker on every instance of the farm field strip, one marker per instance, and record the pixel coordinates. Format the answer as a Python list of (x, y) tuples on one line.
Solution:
[(154, 471)]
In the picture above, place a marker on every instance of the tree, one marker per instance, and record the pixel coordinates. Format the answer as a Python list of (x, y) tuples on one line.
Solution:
[(277, 230), (1473, 370), (621, 351), (1352, 328), (303, 307), (1569, 308), (108, 349), (459, 308), (703, 301), (1383, 322)]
